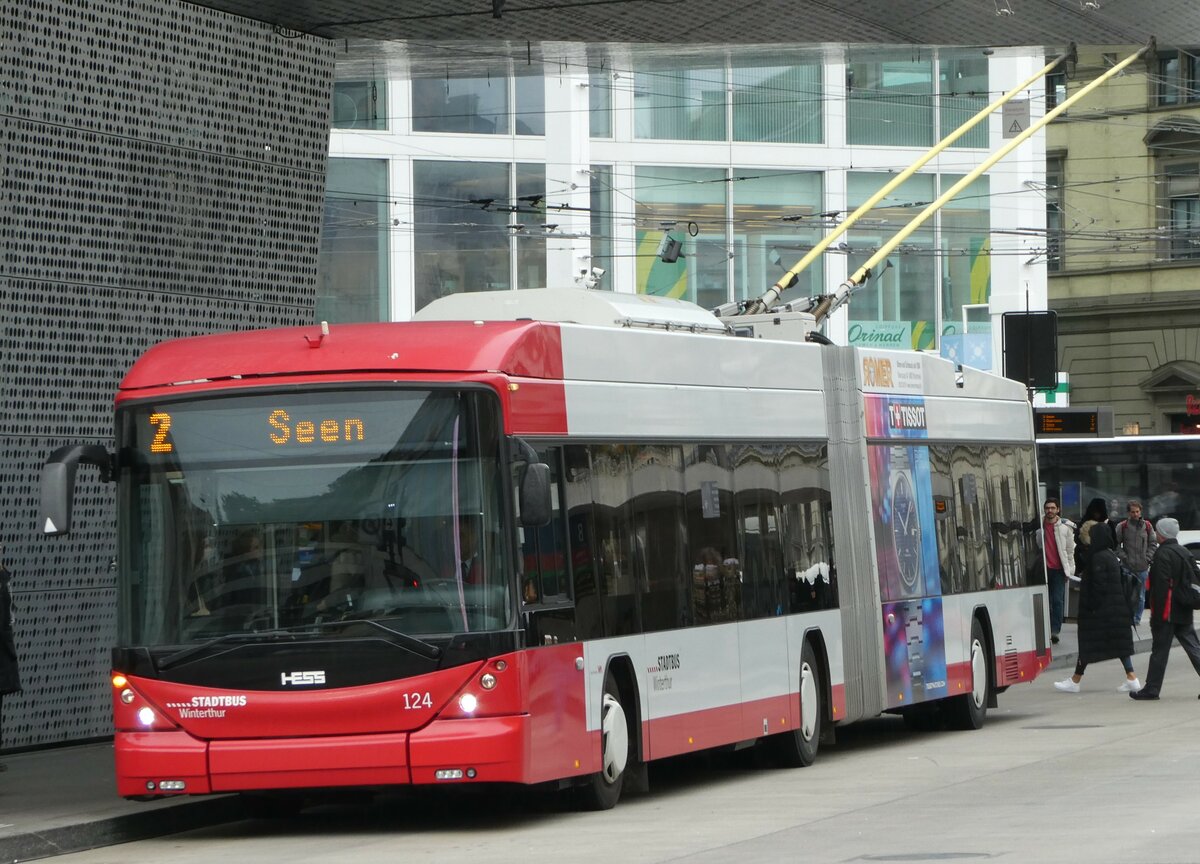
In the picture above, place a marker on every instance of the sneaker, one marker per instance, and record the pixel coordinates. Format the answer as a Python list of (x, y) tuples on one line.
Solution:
[(1053, 638), (1128, 686), (1066, 686), (1141, 695)]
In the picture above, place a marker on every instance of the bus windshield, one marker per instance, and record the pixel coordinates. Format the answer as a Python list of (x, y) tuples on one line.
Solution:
[(258, 512)]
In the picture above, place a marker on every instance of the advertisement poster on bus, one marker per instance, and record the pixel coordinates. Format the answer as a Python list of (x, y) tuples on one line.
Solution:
[(902, 499), (906, 548), (914, 644)]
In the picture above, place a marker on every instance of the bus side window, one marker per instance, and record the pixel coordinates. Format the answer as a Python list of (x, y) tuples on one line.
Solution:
[(1006, 532), (973, 515), (616, 551), (807, 526), (945, 517), (545, 576), (711, 534), (1030, 516), (657, 475), (577, 501), (755, 479)]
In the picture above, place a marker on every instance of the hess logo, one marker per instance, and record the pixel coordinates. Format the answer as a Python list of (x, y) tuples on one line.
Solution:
[(301, 679)]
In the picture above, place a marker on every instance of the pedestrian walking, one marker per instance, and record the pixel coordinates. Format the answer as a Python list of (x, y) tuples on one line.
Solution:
[(1171, 565), (1136, 545), (1057, 539), (1104, 632), (10, 682)]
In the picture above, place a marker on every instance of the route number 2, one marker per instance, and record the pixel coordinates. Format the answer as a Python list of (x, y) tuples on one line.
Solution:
[(161, 421)]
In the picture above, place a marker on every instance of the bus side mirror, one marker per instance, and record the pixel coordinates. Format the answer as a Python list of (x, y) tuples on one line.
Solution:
[(58, 483), (535, 495)]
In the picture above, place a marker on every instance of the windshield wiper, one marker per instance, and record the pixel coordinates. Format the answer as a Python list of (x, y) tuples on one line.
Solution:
[(188, 653), (411, 643)]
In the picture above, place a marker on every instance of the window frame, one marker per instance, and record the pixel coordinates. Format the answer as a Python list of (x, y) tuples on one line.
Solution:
[(1178, 86), (1170, 244)]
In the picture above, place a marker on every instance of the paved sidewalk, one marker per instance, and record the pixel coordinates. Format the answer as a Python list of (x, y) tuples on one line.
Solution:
[(64, 800)]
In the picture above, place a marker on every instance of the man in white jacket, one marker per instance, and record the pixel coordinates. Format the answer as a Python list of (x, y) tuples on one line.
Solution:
[(1057, 539)]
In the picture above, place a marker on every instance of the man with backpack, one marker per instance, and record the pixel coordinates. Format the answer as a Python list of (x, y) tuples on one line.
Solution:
[(1172, 581), (1136, 545)]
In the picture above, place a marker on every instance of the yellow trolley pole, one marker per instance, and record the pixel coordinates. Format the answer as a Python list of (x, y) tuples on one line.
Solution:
[(763, 303), (843, 292)]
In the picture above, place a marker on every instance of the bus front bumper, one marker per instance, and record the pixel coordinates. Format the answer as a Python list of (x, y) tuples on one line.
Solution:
[(475, 750)]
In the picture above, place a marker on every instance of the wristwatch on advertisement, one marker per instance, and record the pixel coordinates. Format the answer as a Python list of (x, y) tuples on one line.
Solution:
[(906, 523), (914, 631)]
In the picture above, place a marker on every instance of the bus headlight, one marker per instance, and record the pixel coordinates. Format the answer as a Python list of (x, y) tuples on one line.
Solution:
[(468, 703)]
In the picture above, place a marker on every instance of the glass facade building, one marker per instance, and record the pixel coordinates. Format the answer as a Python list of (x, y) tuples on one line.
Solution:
[(589, 169)]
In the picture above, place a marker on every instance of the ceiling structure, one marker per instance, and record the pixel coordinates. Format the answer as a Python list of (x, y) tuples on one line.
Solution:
[(893, 22)]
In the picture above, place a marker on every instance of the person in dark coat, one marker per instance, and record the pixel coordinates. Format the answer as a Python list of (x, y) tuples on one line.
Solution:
[(10, 682), (1168, 621), (1104, 632)]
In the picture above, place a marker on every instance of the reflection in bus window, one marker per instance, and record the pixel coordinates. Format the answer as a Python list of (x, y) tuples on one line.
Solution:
[(1005, 526), (544, 572), (975, 518), (807, 528), (986, 515), (716, 584), (951, 562), (661, 536), (577, 493), (612, 516), (759, 520), (657, 481)]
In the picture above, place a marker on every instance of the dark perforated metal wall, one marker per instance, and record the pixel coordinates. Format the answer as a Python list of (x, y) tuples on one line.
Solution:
[(161, 175)]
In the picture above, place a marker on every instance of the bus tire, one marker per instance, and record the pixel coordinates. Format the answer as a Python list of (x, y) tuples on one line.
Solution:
[(969, 710), (603, 789), (798, 747)]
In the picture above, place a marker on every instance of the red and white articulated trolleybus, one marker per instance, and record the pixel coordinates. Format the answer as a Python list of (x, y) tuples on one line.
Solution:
[(580, 533)]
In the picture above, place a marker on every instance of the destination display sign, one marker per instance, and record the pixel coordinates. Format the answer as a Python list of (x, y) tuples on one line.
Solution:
[(1077, 422), (303, 424)]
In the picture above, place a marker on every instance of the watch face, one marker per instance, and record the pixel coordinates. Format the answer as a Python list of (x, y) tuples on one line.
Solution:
[(906, 532)]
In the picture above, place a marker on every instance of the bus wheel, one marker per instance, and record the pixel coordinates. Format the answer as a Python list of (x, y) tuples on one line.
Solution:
[(798, 748), (603, 789), (970, 710)]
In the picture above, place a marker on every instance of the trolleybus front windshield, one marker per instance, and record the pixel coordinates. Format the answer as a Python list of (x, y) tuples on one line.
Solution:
[(252, 513)]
